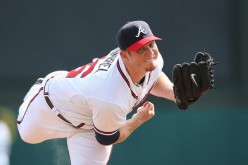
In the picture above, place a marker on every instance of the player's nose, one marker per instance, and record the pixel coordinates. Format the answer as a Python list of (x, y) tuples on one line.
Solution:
[(149, 52)]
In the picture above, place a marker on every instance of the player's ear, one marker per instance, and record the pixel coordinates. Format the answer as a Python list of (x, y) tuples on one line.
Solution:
[(124, 54)]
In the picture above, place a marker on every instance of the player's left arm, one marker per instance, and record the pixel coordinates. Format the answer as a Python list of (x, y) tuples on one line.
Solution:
[(163, 88)]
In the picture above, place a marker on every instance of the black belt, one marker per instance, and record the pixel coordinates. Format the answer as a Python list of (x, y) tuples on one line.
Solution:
[(50, 104)]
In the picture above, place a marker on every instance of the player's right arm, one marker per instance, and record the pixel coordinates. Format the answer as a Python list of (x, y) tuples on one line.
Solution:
[(144, 113), (110, 122)]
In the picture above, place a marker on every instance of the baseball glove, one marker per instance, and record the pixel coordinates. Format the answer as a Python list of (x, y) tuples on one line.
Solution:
[(193, 79)]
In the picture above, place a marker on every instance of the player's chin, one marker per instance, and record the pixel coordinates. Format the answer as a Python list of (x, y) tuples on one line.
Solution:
[(151, 67), (151, 64)]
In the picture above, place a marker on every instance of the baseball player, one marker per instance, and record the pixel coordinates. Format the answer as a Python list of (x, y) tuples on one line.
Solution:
[(88, 105)]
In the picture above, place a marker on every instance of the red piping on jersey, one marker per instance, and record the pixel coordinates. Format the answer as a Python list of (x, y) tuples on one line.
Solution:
[(149, 78), (125, 78), (19, 122), (146, 94)]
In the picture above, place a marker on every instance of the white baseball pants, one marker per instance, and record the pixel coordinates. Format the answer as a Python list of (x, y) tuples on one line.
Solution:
[(37, 123)]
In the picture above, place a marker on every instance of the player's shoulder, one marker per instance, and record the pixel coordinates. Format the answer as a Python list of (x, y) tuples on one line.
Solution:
[(106, 64)]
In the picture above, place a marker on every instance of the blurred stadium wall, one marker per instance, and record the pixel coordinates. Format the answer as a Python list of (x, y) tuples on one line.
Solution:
[(37, 37)]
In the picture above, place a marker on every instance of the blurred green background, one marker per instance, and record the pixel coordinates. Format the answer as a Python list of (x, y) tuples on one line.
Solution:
[(41, 36)]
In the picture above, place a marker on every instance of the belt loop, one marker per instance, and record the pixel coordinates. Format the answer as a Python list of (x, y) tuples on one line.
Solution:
[(46, 92), (55, 110)]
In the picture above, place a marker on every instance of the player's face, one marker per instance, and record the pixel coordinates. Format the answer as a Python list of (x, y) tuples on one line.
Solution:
[(146, 57)]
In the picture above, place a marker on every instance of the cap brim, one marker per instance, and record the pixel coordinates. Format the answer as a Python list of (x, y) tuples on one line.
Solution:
[(137, 45)]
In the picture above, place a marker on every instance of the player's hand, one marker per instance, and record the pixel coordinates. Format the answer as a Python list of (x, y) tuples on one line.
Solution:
[(145, 112)]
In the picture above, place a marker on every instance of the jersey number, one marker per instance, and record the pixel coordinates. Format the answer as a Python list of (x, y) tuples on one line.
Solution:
[(85, 70)]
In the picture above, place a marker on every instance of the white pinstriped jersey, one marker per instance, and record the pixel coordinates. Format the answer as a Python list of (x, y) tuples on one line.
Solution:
[(100, 94)]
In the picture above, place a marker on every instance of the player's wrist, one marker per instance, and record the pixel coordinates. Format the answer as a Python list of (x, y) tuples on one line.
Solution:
[(137, 119)]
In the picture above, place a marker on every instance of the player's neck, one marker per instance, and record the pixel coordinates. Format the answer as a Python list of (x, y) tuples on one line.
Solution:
[(137, 79), (136, 76), (135, 73)]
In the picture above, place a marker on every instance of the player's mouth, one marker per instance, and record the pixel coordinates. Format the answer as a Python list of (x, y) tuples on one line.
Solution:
[(151, 59)]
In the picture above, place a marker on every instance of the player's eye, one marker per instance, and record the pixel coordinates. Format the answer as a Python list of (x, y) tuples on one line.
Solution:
[(151, 45), (141, 50)]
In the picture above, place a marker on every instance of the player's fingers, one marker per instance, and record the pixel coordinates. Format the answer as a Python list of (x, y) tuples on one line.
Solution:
[(149, 106), (146, 106), (148, 109), (139, 109), (147, 102)]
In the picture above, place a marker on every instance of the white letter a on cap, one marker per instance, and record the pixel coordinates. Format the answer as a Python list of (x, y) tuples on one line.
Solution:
[(141, 31)]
